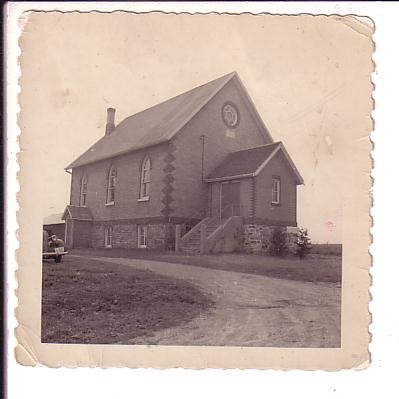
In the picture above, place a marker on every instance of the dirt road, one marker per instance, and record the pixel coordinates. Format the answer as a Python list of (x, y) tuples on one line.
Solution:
[(251, 310)]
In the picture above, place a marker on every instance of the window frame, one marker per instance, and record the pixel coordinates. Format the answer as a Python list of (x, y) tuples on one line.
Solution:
[(83, 190), (144, 228), (145, 179), (276, 179), (111, 188), (108, 235)]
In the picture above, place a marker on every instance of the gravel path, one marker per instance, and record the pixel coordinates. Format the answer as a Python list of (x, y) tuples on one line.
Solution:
[(251, 310)]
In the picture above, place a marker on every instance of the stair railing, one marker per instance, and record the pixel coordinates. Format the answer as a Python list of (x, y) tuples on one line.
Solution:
[(227, 210), (200, 227)]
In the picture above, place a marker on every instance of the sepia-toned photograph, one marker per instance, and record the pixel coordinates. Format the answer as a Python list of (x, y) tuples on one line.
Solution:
[(196, 181)]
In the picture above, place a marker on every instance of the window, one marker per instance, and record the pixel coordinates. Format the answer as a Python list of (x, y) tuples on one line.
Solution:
[(83, 190), (111, 186), (276, 191), (145, 179), (142, 236), (108, 237), (230, 114)]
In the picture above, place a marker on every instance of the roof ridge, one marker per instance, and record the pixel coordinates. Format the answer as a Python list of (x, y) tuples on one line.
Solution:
[(178, 95), (197, 98), (258, 146)]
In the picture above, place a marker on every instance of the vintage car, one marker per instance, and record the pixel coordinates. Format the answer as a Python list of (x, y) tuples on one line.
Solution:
[(53, 249)]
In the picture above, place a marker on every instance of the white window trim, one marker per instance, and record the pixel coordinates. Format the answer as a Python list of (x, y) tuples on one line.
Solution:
[(82, 180), (139, 227), (106, 235), (111, 170), (142, 196), (275, 179)]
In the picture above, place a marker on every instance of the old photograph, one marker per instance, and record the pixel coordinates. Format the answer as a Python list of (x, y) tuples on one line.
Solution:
[(199, 182)]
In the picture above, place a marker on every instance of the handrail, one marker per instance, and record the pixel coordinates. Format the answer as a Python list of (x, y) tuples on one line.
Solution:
[(201, 213), (207, 220), (228, 227), (220, 212), (194, 230)]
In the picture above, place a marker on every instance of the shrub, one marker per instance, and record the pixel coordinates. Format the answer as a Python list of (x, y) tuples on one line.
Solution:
[(278, 242), (303, 244)]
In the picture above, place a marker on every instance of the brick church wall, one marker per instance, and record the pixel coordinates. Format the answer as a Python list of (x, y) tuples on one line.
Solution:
[(190, 194)]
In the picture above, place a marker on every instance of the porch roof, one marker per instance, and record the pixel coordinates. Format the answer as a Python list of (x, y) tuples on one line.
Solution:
[(55, 218), (249, 162), (77, 212)]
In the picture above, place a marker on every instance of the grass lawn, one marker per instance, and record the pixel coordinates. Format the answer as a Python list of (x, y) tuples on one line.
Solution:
[(327, 249), (321, 268), (95, 302)]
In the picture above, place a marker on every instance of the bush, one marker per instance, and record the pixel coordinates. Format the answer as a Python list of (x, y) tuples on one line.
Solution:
[(278, 242), (303, 244)]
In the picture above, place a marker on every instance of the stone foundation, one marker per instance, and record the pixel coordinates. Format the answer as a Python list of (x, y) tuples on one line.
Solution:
[(256, 237), (159, 236)]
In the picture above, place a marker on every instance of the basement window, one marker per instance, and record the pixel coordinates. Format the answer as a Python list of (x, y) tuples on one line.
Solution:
[(108, 237), (142, 236), (276, 191)]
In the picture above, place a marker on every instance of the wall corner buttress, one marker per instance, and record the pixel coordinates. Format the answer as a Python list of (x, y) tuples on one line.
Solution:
[(253, 198)]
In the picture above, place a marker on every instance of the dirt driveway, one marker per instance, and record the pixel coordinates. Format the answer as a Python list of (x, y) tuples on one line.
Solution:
[(250, 310)]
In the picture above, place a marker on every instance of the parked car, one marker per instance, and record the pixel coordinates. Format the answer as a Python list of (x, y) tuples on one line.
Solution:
[(53, 247)]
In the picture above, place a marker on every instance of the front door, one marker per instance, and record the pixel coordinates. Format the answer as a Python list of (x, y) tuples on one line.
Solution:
[(230, 199)]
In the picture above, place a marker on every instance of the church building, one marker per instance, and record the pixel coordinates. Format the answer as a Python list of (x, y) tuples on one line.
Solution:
[(199, 172)]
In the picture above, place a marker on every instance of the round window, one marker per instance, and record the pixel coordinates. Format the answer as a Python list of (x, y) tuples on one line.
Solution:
[(230, 115)]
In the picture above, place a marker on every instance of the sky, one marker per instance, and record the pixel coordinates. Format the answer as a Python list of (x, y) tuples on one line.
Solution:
[(305, 75)]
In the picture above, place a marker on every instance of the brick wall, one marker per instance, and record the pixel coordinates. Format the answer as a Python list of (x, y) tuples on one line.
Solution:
[(127, 190), (81, 233), (285, 212), (190, 194), (69, 233), (176, 186)]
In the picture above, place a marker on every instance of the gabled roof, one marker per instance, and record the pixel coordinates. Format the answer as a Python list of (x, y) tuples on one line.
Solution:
[(77, 212), (55, 218), (159, 123), (250, 162)]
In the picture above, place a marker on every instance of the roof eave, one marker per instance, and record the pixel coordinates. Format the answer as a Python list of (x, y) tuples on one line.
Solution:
[(202, 104), (228, 77), (224, 178), (258, 119), (290, 161), (117, 154)]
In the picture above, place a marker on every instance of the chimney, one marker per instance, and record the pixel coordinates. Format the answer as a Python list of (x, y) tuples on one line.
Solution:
[(110, 126)]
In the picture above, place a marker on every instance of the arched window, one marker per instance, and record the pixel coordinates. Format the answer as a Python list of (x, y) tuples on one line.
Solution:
[(83, 190), (145, 179), (111, 186)]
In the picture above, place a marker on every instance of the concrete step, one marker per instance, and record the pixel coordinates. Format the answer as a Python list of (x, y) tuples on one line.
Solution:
[(214, 226), (192, 239), (193, 245), (191, 252)]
